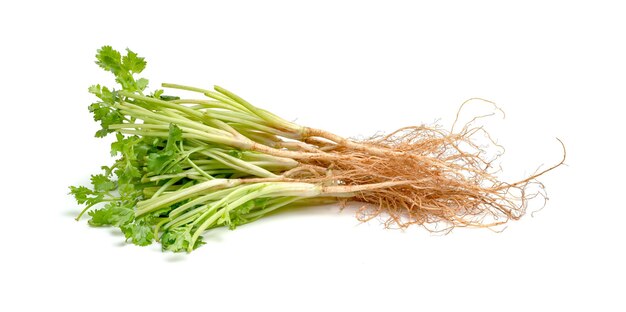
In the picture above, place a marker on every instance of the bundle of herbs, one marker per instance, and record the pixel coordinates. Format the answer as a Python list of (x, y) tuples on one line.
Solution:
[(187, 165)]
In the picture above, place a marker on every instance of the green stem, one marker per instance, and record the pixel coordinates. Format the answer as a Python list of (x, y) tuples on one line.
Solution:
[(263, 114), (157, 228), (260, 190), (193, 150), (270, 208), (209, 104), (152, 204), (140, 112), (162, 103), (165, 186), (188, 217), (208, 93), (238, 164), (187, 175), (202, 172), (202, 200)]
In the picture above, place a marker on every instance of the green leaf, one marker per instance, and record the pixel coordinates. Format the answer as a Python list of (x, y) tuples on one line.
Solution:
[(260, 203), (81, 194), (118, 146), (99, 111), (133, 150), (161, 213), (133, 63), (107, 170), (165, 161), (235, 153), (106, 116), (101, 183), (157, 93), (84, 195), (175, 136), (157, 162), (96, 90), (127, 189), (224, 219), (122, 67), (139, 233), (127, 81), (178, 239), (107, 96), (109, 59), (246, 207), (145, 146), (141, 83), (114, 214), (237, 216), (126, 146), (131, 171)]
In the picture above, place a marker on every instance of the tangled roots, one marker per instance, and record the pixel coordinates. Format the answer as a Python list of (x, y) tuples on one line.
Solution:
[(443, 177)]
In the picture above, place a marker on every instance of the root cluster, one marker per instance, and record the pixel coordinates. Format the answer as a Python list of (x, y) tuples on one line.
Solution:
[(439, 178)]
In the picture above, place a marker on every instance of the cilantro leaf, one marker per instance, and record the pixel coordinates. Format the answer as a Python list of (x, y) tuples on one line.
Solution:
[(81, 194), (107, 170), (133, 63), (106, 116), (109, 59), (141, 84), (235, 153), (139, 233), (114, 214), (158, 94), (123, 67), (237, 215), (224, 219), (118, 146), (104, 111), (178, 239), (84, 195), (157, 162), (129, 163), (127, 190), (107, 96), (165, 161), (102, 183), (175, 136)]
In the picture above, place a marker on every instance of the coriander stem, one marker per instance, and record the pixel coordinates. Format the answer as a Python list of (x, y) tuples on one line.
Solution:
[(202, 199), (185, 218), (209, 104), (264, 211), (152, 204), (165, 186), (202, 172), (208, 93), (138, 111), (263, 114), (162, 103), (157, 227), (238, 164)]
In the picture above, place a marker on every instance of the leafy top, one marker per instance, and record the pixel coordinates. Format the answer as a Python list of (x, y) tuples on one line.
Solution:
[(123, 67)]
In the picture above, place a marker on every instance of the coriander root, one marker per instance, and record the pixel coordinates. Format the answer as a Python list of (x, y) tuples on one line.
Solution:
[(421, 175)]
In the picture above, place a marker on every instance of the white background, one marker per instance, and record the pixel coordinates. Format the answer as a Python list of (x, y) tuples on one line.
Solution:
[(558, 69)]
